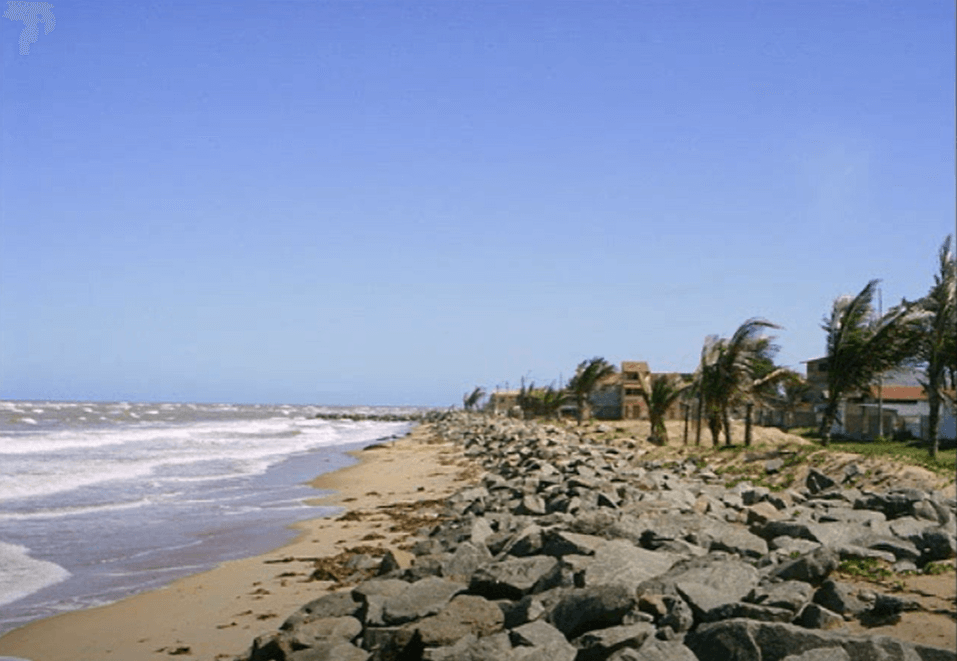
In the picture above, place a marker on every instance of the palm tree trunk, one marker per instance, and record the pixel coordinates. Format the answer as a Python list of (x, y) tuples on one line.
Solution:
[(714, 424), (697, 433), (725, 414), (933, 400), (687, 408), (747, 424), (830, 413)]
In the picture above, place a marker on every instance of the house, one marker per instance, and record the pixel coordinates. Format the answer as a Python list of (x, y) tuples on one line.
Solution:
[(619, 397), (896, 405), (502, 401)]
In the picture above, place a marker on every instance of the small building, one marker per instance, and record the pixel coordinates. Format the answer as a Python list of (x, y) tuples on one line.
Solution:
[(896, 405), (502, 402)]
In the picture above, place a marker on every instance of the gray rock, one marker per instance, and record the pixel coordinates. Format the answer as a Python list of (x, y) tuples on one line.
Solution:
[(600, 644), (471, 648), (678, 615), (481, 531), (655, 650), (586, 609), (465, 614), (815, 616), (749, 611), (738, 540), (528, 541), (531, 504), (515, 577), (337, 651), (619, 562), (467, 558), (893, 504), (269, 647), (773, 466), (821, 654), (420, 599), (937, 544), (749, 640), (540, 640), (817, 481), (812, 567), (790, 595), (336, 604), (837, 597), (327, 629), (562, 542)]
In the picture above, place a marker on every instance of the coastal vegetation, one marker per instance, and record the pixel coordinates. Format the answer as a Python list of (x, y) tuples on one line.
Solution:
[(588, 374), (737, 375)]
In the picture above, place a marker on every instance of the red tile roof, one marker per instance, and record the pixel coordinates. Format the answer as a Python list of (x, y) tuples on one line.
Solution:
[(901, 393)]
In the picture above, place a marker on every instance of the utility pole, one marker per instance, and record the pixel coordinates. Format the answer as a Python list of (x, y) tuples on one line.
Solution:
[(880, 377)]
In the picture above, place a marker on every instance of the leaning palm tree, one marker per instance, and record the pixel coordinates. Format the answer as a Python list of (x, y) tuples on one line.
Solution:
[(938, 338), (795, 390), (552, 400), (473, 399), (659, 393), (861, 346), (731, 370), (587, 376)]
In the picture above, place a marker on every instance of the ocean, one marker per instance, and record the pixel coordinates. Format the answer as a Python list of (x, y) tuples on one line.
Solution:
[(99, 501)]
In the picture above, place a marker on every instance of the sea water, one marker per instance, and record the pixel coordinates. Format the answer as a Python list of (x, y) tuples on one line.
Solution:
[(102, 500)]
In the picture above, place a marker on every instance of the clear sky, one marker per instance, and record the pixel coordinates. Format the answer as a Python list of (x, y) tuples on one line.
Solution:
[(349, 202)]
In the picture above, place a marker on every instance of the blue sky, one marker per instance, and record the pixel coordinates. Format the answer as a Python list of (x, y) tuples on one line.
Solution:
[(349, 202)]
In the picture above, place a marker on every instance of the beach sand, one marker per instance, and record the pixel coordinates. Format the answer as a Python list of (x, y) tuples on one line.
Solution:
[(217, 614)]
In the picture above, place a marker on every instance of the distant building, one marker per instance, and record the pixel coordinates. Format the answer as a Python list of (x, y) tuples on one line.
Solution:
[(502, 402), (898, 399)]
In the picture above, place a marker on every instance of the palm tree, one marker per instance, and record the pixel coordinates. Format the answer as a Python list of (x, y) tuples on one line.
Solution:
[(730, 372), (860, 346), (794, 390), (659, 393), (938, 338), (472, 400), (552, 400), (587, 376)]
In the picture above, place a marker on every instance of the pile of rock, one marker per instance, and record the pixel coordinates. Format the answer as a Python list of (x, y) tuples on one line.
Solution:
[(566, 550)]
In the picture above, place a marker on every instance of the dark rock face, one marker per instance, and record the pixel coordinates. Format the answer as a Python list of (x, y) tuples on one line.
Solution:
[(571, 551)]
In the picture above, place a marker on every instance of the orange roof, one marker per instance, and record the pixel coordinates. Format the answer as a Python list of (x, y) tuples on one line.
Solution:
[(900, 393)]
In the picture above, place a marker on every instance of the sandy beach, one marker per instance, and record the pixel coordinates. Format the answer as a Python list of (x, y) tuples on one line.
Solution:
[(216, 615)]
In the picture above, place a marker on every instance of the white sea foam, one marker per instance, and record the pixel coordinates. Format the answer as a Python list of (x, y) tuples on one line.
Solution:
[(21, 575), (54, 462)]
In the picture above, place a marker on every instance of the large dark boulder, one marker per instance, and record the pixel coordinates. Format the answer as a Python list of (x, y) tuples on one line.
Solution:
[(813, 567), (515, 577), (600, 644), (540, 640), (586, 609), (420, 599), (336, 604), (748, 640)]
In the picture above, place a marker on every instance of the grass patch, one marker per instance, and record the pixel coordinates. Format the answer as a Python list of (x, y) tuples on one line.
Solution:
[(869, 569), (937, 568), (914, 453), (908, 453)]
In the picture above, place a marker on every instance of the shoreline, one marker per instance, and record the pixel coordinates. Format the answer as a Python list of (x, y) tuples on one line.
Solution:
[(217, 613)]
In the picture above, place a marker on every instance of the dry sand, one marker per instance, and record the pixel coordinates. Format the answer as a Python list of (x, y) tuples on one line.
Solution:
[(216, 615)]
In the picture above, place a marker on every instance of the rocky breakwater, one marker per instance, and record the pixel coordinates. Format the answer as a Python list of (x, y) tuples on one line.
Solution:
[(567, 550)]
